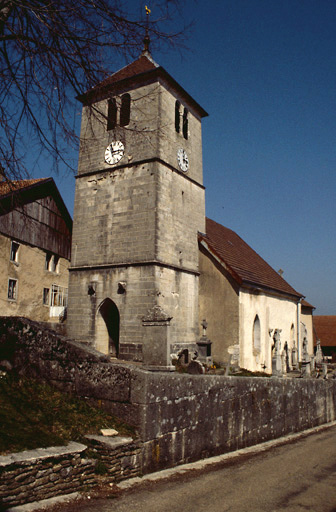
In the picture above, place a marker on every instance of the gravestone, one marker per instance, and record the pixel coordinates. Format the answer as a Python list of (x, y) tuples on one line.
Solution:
[(276, 356), (305, 363), (294, 357), (204, 346), (319, 353), (234, 353), (195, 368), (287, 355)]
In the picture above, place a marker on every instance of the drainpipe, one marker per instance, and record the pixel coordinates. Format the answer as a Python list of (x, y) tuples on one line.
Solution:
[(298, 330)]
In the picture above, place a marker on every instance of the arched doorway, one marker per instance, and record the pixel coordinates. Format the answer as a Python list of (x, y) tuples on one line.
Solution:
[(107, 328)]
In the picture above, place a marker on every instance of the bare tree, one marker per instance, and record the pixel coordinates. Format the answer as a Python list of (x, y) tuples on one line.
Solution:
[(50, 52)]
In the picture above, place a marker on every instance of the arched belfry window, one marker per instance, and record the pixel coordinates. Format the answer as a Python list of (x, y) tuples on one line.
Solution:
[(177, 116), (125, 109), (111, 114), (256, 334), (185, 123)]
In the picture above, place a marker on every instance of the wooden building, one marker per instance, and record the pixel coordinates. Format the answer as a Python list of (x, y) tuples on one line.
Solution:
[(35, 243)]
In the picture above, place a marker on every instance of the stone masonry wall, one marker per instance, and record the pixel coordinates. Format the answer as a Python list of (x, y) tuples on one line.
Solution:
[(188, 417), (179, 417), (119, 456), (36, 475)]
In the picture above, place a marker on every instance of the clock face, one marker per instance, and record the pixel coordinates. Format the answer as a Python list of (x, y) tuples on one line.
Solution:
[(183, 160), (114, 152)]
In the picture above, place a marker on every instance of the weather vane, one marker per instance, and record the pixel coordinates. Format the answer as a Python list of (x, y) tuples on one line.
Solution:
[(147, 40)]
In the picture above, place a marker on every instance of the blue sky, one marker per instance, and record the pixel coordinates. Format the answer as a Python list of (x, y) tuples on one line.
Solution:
[(265, 71)]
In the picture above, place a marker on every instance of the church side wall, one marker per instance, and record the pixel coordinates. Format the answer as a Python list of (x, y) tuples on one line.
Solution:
[(273, 313), (219, 305)]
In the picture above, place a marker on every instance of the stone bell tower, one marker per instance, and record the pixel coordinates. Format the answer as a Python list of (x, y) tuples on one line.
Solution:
[(139, 205)]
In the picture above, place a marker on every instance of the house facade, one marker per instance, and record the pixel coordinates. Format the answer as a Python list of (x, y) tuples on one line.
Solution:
[(35, 242)]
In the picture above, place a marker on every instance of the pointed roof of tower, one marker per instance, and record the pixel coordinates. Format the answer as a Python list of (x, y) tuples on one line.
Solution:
[(142, 71)]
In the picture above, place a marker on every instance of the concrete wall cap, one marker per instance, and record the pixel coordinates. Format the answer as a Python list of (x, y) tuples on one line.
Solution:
[(28, 456)]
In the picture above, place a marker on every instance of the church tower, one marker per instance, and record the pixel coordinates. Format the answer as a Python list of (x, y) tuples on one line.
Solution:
[(139, 206)]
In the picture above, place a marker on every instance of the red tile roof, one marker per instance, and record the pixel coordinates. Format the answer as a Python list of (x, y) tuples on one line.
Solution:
[(307, 304), (141, 65), (325, 330), (243, 263), (142, 70), (7, 187)]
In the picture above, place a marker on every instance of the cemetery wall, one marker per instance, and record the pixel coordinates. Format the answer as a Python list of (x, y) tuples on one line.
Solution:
[(179, 417)]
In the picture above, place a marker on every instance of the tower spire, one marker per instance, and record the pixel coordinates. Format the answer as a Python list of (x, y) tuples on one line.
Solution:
[(146, 38)]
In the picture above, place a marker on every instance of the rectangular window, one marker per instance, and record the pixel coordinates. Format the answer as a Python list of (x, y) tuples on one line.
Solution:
[(46, 296), (59, 296), (14, 253), (12, 289)]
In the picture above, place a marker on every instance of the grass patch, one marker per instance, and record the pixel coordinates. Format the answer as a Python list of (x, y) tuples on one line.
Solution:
[(35, 415)]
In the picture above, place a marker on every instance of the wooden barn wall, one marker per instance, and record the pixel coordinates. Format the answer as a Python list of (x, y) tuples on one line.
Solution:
[(40, 224)]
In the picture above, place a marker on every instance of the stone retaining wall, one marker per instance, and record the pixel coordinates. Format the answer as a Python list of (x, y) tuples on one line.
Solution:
[(36, 475), (189, 417), (119, 457), (180, 417)]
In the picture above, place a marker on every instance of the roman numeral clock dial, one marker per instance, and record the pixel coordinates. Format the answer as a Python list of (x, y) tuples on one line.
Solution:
[(182, 160), (114, 152)]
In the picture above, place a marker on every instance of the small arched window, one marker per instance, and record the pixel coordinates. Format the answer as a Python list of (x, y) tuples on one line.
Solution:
[(111, 114), (292, 335), (177, 116), (256, 334), (125, 109), (185, 123)]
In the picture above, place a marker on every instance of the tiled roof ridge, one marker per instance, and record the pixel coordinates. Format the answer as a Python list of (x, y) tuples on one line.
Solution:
[(134, 68)]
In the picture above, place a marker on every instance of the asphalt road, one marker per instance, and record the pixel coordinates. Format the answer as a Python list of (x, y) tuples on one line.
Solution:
[(298, 476)]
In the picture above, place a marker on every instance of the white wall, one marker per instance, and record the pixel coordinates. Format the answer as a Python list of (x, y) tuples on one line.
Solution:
[(273, 313)]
